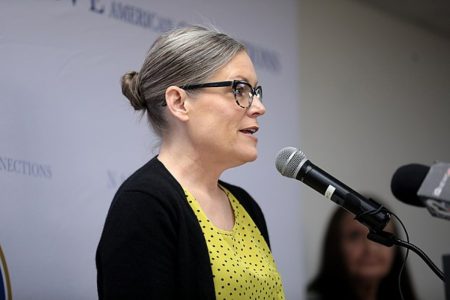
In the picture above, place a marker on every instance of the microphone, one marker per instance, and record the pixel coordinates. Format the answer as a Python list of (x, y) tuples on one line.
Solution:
[(424, 186), (292, 163), (406, 181)]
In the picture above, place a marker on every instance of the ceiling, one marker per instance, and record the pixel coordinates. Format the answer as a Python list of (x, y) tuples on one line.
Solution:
[(433, 15)]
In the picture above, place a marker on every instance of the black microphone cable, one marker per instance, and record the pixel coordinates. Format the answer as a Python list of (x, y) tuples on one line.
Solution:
[(405, 258)]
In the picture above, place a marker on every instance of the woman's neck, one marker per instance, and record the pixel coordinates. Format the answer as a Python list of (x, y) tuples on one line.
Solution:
[(190, 169), (366, 290), (200, 177)]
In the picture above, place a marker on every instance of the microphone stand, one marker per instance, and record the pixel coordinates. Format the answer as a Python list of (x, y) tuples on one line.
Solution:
[(388, 239)]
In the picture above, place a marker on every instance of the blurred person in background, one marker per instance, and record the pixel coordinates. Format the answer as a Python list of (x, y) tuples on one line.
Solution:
[(356, 268)]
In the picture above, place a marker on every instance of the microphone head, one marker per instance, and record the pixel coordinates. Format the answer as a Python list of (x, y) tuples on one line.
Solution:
[(288, 161), (406, 182)]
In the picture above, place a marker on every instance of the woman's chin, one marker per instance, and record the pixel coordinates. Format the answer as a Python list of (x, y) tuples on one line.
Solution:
[(371, 275)]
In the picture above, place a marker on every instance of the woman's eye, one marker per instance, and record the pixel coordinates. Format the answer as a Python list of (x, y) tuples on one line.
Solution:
[(239, 90)]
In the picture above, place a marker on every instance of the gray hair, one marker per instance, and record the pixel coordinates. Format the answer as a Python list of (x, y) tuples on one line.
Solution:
[(181, 56)]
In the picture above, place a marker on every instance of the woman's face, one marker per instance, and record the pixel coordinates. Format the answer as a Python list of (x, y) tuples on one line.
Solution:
[(365, 260), (222, 131)]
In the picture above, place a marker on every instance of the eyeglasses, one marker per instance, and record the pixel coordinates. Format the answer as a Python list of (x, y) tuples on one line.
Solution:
[(243, 92)]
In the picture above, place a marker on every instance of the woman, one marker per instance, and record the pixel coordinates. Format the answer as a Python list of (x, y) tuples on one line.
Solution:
[(354, 267), (174, 230)]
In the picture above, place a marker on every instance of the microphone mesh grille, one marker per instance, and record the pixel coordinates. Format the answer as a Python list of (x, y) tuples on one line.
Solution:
[(288, 160)]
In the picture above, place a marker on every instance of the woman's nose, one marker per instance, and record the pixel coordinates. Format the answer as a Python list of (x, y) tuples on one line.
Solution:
[(257, 107)]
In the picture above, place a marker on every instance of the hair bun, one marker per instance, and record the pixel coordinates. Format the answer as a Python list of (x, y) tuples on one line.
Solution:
[(130, 89)]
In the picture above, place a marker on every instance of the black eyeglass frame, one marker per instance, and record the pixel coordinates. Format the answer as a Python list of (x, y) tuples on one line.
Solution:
[(255, 91)]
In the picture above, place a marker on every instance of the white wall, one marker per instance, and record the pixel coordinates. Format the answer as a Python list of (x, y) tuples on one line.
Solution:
[(374, 95)]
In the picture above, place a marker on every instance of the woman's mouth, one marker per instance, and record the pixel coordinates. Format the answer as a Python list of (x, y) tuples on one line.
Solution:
[(250, 130)]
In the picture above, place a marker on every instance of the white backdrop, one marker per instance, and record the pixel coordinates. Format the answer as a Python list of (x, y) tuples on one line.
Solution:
[(68, 136)]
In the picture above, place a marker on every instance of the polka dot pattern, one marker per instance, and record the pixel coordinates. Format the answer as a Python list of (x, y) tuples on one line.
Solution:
[(242, 264)]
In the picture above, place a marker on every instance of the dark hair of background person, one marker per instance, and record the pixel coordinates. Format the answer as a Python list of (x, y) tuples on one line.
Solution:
[(333, 280)]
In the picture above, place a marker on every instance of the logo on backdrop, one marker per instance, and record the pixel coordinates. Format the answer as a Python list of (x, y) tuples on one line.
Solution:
[(24, 167), (136, 16), (5, 284)]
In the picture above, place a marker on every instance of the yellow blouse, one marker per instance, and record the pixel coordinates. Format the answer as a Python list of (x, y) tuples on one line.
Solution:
[(242, 264)]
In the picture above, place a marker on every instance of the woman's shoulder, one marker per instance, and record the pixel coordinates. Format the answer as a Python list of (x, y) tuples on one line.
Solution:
[(152, 178), (238, 191), (149, 186)]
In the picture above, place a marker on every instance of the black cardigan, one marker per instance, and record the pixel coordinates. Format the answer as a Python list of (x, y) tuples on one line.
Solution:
[(152, 246)]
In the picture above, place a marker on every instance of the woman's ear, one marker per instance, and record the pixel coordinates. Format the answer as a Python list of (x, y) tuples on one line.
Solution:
[(176, 100)]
